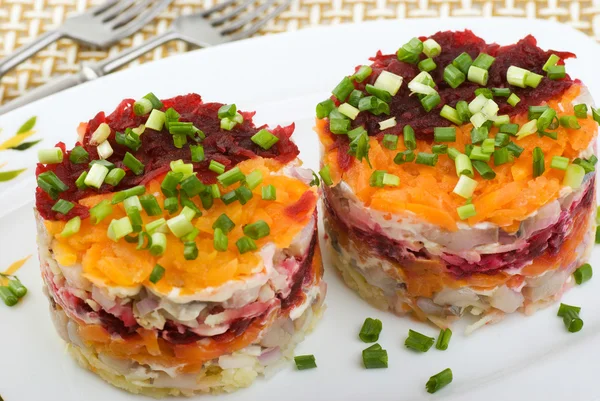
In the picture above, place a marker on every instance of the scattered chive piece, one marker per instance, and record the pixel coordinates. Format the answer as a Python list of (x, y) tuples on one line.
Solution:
[(501, 120), (478, 75), (369, 333), (119, 228), (409, 52), (516, 76), (484, 92), (501, 92), (556, 72), (157, 273), (158, 246), (469, 149), (552, 61), (197, 153), (229, 197), (453, 76), (63, 206), (463, 165), (532, 80), (16, 287), (418, 342), (158, 225), (142, 107), (443, 339), (133, 164), (572, 321), (156, 103), (254, 179), (580, 110), (72, 227), (444, 134), (510, 129), (190, 250), (431, 48), (484, 170), (373, 104), (569, 122), (150, 205), (545, 119), (389, 123), (224, 223), (501, 140), (538, 162), (515, 149), (229, 177), (501, 156), (189, 213), (429, 102), (269, 192), (379, 93), (391, 180), (104, 150), (220, 240), (206, 199), (257, 230), (96, 175), (343, 89), (583, 273), (462, 108), (375, 357), (245, 244), (216, 167), (465, 186), (450, 114), (363, 73), (170, 182), (243, 194), (439, 149), (339, 126), (559, 162), (264, 139), (428, 159), (574, 176), (104, 163), (513, 100), (156, 120), (114, 176), (227, 110), (354, 98), (478, 135), (180, 225), (80, 182), (487, 146), (466, 211), (79, 155), (484, 61), (135, 218), (463, 62), (376, 179), (304, 362), (478, 154), (390, 141), (171, 204), (439, 381), (409, 137), (453, 153), (564, 308), (120, 196), (427, 65), (101, 211), (100, 134), (534, 112), (7, 296)]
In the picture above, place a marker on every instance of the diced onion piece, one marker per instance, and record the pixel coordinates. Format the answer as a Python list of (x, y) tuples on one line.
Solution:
[(431, 48), (50, 156), (389, 82), (477, 104), (96, 175), (156, 120), (389, 123), (574, 176), (180, 226), (517, 76), (117, 229), (348, 110), (465, 187), (527, 129), (478, 119), (105, 150), (100, 135)]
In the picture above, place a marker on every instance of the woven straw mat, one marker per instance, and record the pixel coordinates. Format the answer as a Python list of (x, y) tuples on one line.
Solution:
[(23, 20)]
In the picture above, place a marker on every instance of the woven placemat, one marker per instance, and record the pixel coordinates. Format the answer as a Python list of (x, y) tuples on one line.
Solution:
[(23, 20)]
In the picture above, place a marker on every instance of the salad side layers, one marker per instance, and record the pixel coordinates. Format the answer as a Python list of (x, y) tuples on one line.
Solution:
[(178, 246), (460, 177)]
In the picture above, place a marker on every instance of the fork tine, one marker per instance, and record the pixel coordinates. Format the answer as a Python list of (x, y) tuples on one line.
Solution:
[(229, 15), (131, 13), (101, 7), (133, 24), (240, 22), (217, 7), (254, 28), (114, 12)]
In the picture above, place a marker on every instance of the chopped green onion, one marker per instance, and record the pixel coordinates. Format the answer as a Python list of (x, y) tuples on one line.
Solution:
[(389, 82), (369, 333), (513, 100), (133, 164), (324, 108), (532, 80), (96, 175), (343, 89), (265, 139), (119, 228), (79, 155), (450, 114), (216, 167), (16, 287), (206, 199), (243, 194), (501, 120), (101, 211), (431, 48), (501, 92), (269, 192), (487, 146), (229, 197), (230, 177), (190, 250), (224, 223), (156, 103), (552, 60), (339, 126), (326, 175), (379, 93), (178, 166), (559, 162), (510, 129), (104, 163), (545, 119), (142, 107), (115, 176), (429, 102), (220, 240), (409, 137), (304, 362), (444, 134), (453, 153), (158, 225), (438, 381), (7, 296), (363, 73), (478, 154), (466, 211), (478, 119), (501, 156), (418, 342), (501, 139), (443, 339), (376, 179), (390, 141), (462, 108), (63, 206), (538, 162), (254, 179), (440, 149), (391, 180), (534, 112), (404, 157), (564, 308), (463, 165), (373, 104), (484, 61), (556, 72), (227, 110), (569, 122), (257, 230), (189, 213), (427, 159), (574, 176), (104, 150), (465, 186), (348, 110), (245, 244), (463, 62), (100, 134), (596, 115), (485, 92), (156, 120), (478, 135), (527, 129), (389, 123), (354, 98), (453, 76), (375, 357), (227, 124), (571, 319), (170, 182), (469, 149), (120, 196), (515, 149), (135, 218), (477, 104), (583, 273), (180, 225), (171, 204), (580, 110), (72, 227), (157, 273), (50, 156), (427, 65), (478, 75), (484, 170), (516, 76), (409, 52), (150, 205)]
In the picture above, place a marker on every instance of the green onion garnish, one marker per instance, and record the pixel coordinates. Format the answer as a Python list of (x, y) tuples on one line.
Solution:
[(463, 62), (484, 170), (79, 155), (373, 104), (381, 94), (51, 184), (409, 137), (564, 308), (556, 72), (487, 146), (538, 162), (429, 102), (257, 230), (230, 177), (376, 179), (189, 213), (243, 194), (516, 76), (157, 273), (339, 126), (462, 108), (101, 211), (133, 164), (545, 119), (534, 112), (216, 167), (80, 182), (171, 204), (264, 139), (119, 228), (156, 120), (439, 381), (389, 123), (427, 65), (443, 339), (484, 61), (453, 153), (478, 135), (304, 362), (440, 149), (478, 75), (96, 175), (583, 273), (375, 357), (588, 167), (501, 139), (63, 206), (404, 157), (269, 192), (478, 154), (559, 162), (324, 108), (513, 100), (7, 296), (462, 164), (354, 98), (391, 180), (501, 92), (104, 150), (158, 245), (466, 211), (158, 225), (348, 110), (444, 134), (569, 122), (229, 197), (453, 76), (510, 129), (574, 176), (245, 244), (170, 182), (469, 149), (580, 110), (72, 227), (450, 114), (388, 82), (431, 48), (484, 92), (100, 134), (409, 52), (180, 225), (418, 342), (254, 179), (135, 218), (120, 196), (465, 186), (220, 240), (206, 199), (115, 176), (227, 110), (190, 250), (363, 73), (390, 141), (224, 223), (570, 315), (532, 80), (501, 156), (16, 287), (142, 107), (501, 120), (369, 333), (150, 205), (227, 124), (552, 60), (427, 159), (156, 103), (343, 89)]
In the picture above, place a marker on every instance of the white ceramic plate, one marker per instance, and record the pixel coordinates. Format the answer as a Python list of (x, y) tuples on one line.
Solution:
[(282, 77)]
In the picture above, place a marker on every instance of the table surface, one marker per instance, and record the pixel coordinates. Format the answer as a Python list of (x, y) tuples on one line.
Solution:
[(23, 20)]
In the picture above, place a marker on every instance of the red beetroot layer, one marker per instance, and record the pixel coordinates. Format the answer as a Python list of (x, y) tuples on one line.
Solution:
[(548, 241), (408, 109), (157, 150), (179, 334)]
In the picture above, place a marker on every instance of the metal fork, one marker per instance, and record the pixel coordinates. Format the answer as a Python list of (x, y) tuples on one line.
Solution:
[(197, 29), (99, 26)]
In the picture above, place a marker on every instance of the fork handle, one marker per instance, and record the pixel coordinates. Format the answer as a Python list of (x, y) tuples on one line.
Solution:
[(24, 52), (54, 86), (110, 64)]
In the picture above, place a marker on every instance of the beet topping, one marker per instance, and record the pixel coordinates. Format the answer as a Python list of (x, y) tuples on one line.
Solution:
[(408, 109), (157, 150)]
